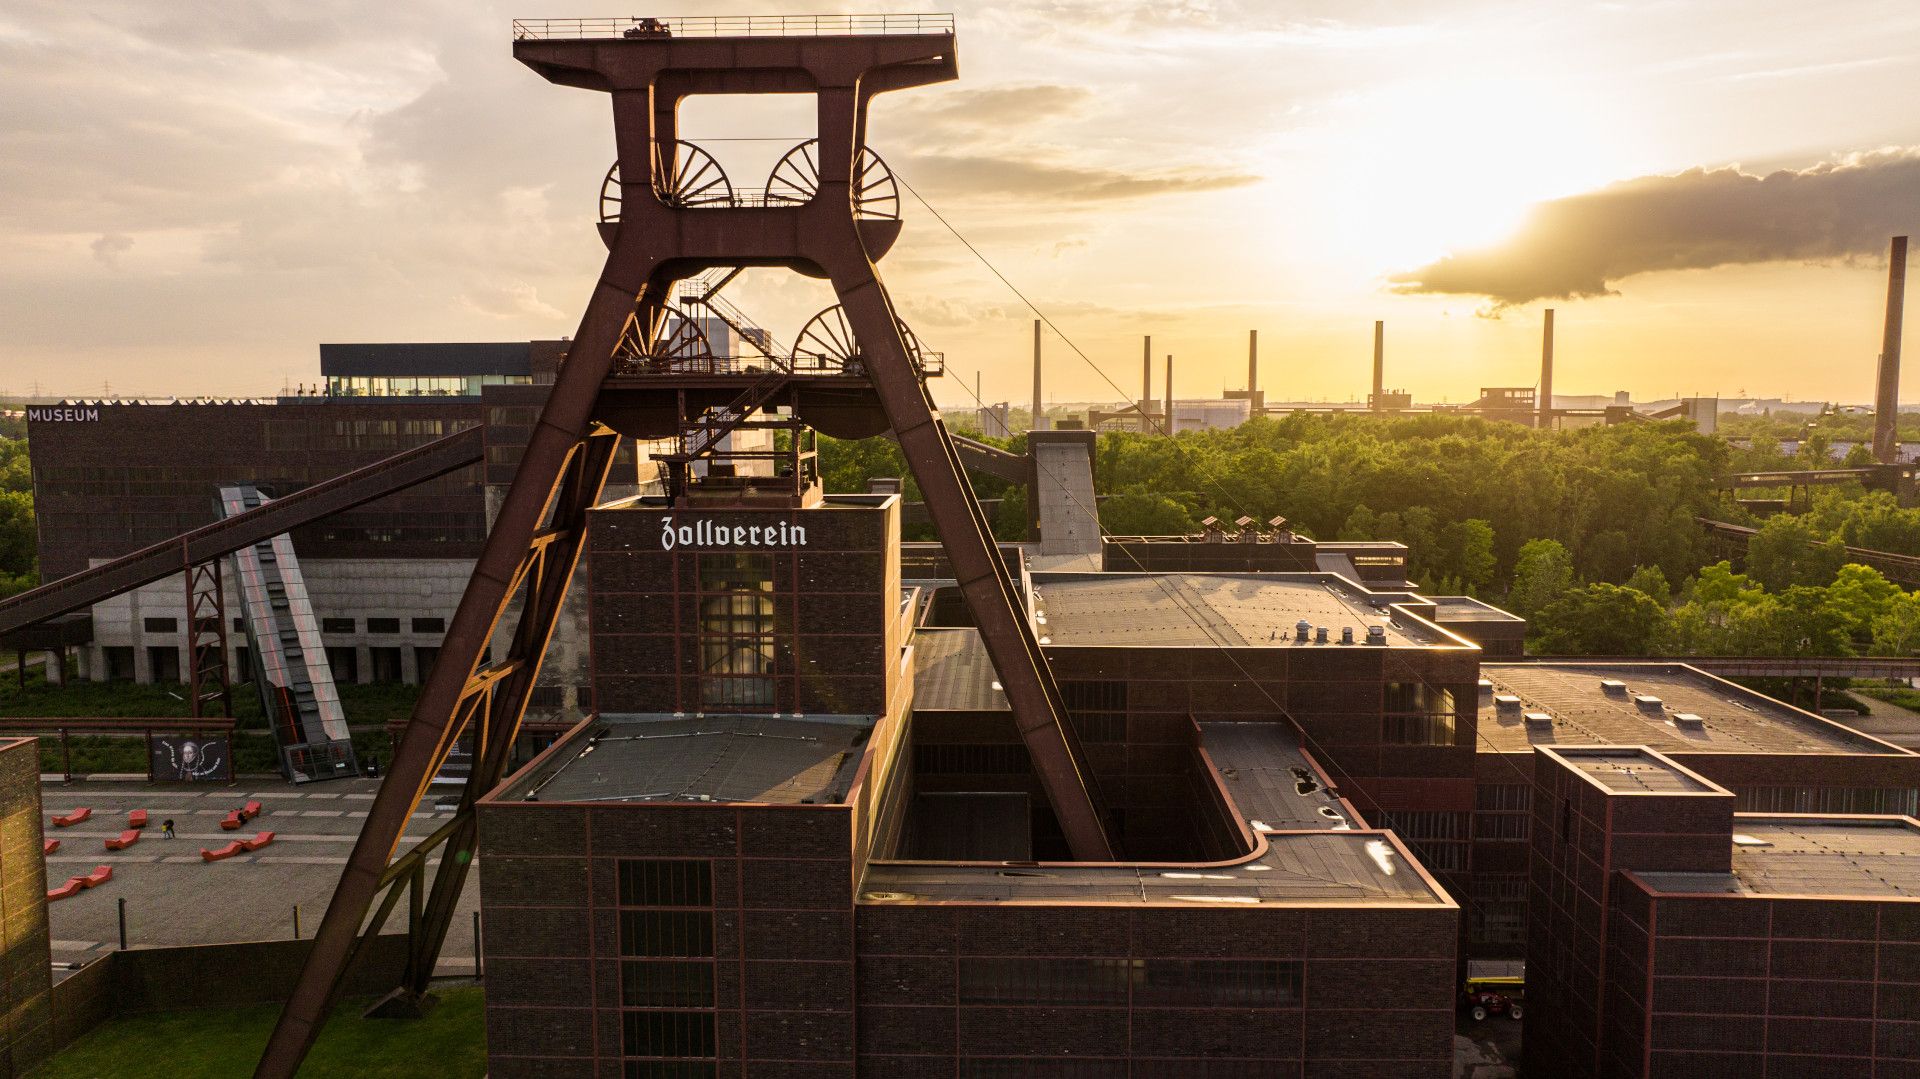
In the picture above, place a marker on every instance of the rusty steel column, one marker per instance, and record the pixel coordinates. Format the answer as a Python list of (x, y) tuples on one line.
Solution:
[(1167, 416), (1886, 398), (1253, 364), (1545, 403)]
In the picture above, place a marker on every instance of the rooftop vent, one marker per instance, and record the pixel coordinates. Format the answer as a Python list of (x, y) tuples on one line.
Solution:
[(1320, 635), (1613, 685), (1539, 719), (1688, 720), (1346, 634), (1743, 840), (1486, 685), (1376, 635), (1648, 701), (1301, 629), (1506, 702)]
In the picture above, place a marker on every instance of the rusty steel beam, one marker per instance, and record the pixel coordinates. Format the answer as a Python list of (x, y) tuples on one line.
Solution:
[(534, 544), (183, 552)]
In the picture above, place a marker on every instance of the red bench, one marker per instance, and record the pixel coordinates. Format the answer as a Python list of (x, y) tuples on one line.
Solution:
[(250, 810), (49, 846), (73, 818), (100, 875), (137, 819), (73, 884), (232, 821), (225, 852), (124, 840), (257, 841)]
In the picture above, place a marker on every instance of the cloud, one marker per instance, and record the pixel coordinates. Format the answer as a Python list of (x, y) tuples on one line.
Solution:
[(1695, 220), (983, 175), (1000, 106), (109, 247)]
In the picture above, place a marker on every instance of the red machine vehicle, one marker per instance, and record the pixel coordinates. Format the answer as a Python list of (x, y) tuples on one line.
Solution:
[(1484, 997)]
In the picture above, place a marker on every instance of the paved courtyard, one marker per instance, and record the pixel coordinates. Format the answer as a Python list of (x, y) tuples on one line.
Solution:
[(173, 897)]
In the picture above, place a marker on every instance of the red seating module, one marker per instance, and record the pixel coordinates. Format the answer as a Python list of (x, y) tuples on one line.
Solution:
[(126, 839), (232, 821), (74, 817), (100, 875), (257, 841), (250, 810), (49, 846), (72, 885), (137, 819), (227, 851)]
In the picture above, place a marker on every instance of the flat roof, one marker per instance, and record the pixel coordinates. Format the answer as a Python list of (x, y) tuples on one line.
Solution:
[(1468, 609), (951, 672), (1306, 859), (1633, 770), (1842, 857), (715, 758), (1233, 610), (1649, 708), (427, 359)]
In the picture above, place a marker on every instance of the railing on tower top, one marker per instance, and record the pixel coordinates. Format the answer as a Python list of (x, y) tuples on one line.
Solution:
[(730, 26)]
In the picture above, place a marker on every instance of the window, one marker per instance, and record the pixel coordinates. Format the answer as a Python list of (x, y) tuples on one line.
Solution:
[(1217, 983), (429, 625), (1146, 983), (423, 659), (736, 630), (385, 663), (1498, 911), (1417, 714), (383, 625), (1877, 800), (999, 760), (336, 625), (670, 1069), (1044, 981), (1094, 696), (160, 625), (1440, 839), (1501, 811), (666, 937), (163, 661), (660, 883)]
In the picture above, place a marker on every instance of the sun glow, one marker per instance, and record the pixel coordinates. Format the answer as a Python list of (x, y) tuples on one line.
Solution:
[(1454, 161)]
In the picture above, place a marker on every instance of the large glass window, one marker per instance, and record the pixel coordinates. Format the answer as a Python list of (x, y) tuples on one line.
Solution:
[(736, 630), (1417, 714), (666, 967)]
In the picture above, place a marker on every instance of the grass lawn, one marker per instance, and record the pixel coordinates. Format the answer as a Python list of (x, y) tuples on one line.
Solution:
[(225, 1043)]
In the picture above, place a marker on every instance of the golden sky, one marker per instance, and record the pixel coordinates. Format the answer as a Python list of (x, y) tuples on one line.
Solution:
[(197, 193)]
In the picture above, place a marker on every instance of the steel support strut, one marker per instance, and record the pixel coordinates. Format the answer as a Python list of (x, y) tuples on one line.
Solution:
[(1038, 709), (532, 548)]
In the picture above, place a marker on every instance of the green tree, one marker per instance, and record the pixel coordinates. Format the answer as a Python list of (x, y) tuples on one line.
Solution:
[(1466, 553), (1599, 620), (1653, 581), (1789, 551), (1861, 595), (1896, 631), (1143, 513), (1543, 574)]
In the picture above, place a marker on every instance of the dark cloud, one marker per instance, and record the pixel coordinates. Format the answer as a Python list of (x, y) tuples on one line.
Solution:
[(1696, 220), (110, 247), (999, 176)]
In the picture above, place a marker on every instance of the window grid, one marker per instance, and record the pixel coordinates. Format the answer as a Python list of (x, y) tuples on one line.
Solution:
[(737, 626), (667, 972)]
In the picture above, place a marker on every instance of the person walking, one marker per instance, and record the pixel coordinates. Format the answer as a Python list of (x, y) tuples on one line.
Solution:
[(166, 828)]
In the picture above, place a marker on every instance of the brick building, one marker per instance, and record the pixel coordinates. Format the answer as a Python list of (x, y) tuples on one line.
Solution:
[(26, 1018), (1672, 936)]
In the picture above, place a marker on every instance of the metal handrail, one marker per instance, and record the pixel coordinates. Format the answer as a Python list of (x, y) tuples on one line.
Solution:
[(642, 28)]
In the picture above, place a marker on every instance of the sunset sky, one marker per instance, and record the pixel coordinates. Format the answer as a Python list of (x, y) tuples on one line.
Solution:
[(194, 194)]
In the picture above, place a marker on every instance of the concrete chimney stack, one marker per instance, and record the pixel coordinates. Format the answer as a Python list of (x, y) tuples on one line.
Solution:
[(1146, 383), (1168, 414), (1039, 410), (1546, 373), (1886, 398), (1253, 364), (1379, 365)]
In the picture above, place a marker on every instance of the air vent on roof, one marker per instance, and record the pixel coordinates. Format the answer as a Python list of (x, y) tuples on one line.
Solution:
[(1301, 629), (1506, 702), (1743, 840), (1377, 635), (1539, 719), (1688, 720), (1486, 685), (1612, 685), (1648, 701), (1320, 635), (1346, 634)]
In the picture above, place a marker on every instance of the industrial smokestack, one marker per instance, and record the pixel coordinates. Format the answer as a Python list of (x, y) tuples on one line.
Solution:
[(1546, 373), (1146, 383), (1168, 415), (1253, 363), (1039, 413), (1379, 365), (1886, 399)]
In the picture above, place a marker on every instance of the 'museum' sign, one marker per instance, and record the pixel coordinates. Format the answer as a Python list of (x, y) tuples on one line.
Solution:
[(63, 415), (705, 533)]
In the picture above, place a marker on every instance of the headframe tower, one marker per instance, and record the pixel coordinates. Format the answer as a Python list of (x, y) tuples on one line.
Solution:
[(677, 230)]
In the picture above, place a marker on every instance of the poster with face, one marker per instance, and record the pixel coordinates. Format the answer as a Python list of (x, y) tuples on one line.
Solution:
[(188, 759)]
